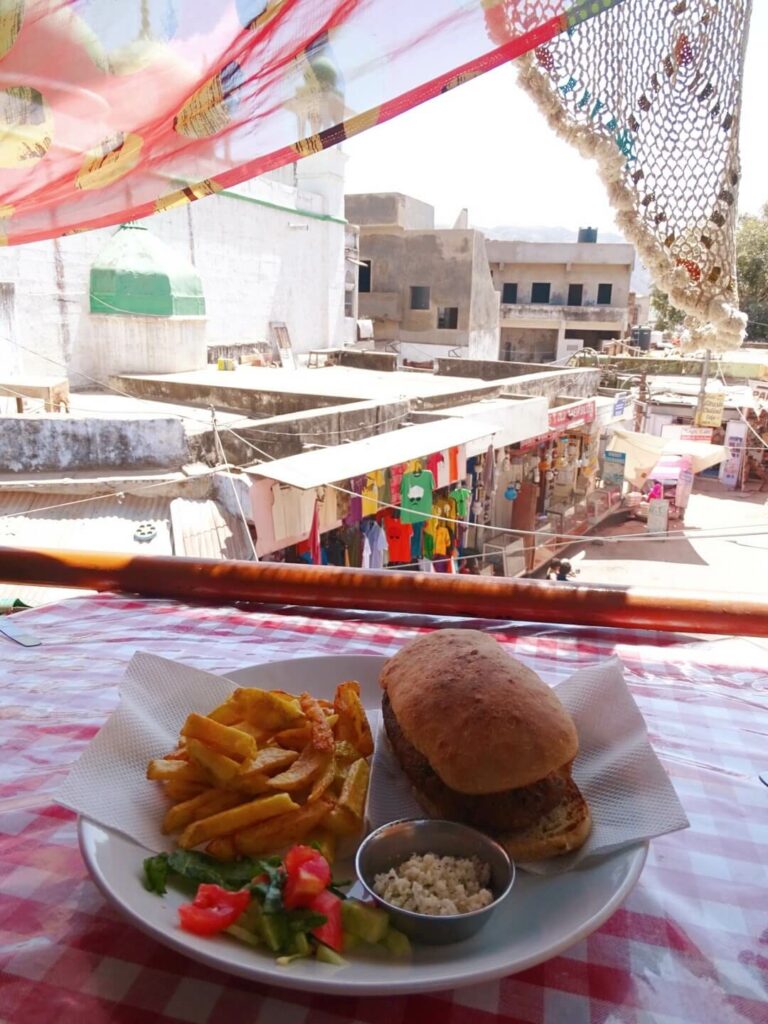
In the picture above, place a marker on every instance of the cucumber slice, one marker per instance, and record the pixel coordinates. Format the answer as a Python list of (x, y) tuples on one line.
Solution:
[(326, 955), (396, 942), (367, 923)]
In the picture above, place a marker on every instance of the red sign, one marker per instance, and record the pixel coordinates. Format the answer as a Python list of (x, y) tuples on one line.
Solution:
[(569, 416)]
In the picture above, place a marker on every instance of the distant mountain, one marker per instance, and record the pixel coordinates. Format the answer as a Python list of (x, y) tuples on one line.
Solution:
[(641, 279)]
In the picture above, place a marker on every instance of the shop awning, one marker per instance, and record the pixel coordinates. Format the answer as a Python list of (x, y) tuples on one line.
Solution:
[(340, 462), (643, 451), (515, 418)]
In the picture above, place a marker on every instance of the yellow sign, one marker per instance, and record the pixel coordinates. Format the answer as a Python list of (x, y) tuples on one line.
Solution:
[(710, 412)]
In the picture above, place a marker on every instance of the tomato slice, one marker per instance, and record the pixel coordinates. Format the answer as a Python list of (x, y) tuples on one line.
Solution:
[(297, 855), (213, 909), (305, 882), (331, 932), (307, 874)]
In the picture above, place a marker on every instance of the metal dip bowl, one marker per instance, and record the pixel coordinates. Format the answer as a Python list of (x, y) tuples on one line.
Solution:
[(394, 843)]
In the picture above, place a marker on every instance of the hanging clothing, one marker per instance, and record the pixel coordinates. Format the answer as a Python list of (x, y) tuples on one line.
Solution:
[(433, 461), (398, 540), (370, 495), (377, 540), (314, 536), (355, 513), (453, 464), (416, 496), (396, 474), (416, 541), (461, 495), (336, 549), (443, 542)]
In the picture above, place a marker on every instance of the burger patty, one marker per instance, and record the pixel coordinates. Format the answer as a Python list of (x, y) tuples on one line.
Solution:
[(493, 812)]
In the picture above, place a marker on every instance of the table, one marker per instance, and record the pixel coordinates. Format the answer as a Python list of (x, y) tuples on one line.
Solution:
[(689, 945), (53, 390)]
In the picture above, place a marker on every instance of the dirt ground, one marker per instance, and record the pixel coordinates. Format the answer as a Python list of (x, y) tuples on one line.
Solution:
[(735, 565)]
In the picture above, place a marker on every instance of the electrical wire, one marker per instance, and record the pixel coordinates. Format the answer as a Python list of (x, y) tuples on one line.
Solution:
[(567, 539), (220, 449)]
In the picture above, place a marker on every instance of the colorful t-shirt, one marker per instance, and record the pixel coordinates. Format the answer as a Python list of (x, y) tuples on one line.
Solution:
[(370, 495), (461, 496), (398, 540), (433, 461), (416, 496), (443, 541), (453, 464), (395, 481)]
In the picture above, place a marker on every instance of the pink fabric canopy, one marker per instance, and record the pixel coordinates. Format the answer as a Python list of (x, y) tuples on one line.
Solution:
[(110, 111)]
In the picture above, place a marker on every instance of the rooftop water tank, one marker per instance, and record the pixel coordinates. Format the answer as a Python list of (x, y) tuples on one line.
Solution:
[(587, 234)]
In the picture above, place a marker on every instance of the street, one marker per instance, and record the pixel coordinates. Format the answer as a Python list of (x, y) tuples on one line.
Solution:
[(733, 565)]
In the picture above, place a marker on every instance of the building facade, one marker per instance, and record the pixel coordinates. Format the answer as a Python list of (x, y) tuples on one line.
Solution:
[(428, 291), (274, 249), (556, 297)]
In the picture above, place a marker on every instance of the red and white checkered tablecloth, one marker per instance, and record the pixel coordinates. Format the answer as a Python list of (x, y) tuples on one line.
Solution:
[(690, 945)]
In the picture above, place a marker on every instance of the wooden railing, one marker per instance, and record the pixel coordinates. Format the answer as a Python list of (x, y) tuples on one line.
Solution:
[(218, 582)]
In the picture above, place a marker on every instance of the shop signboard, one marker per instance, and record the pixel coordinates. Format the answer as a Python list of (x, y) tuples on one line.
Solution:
[(711, 412), (681, 432), (658, 515), (620, 404), (571, 416), (735, 441), (614, 466)]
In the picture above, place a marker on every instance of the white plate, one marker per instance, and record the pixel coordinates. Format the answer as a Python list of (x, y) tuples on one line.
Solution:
[(541, 918)]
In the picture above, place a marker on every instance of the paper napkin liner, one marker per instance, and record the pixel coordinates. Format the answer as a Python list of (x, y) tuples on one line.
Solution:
[(628, 791), (630, 795)]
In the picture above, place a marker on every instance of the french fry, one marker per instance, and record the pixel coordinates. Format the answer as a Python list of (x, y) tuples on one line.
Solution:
[(269, 709), (270, 760), (222, 848), (339, 822), (322, 734), (260, 735), (210, 802), (323, 780), (232, 742), (353, 722), (277, 833), (235, 819), (227, 713), (355, 789), (305, 769), (178, 790), (294, 739), (179, 754), (163, 769), (221, 767)]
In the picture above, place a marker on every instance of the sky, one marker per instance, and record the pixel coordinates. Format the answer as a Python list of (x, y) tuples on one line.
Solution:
[(485, 146)]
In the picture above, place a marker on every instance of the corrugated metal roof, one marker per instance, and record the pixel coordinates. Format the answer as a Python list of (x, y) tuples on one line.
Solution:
[(66, 521), (203, 529), (342, 461)]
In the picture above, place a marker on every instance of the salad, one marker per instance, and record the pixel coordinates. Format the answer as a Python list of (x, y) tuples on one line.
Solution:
[(288, 905)]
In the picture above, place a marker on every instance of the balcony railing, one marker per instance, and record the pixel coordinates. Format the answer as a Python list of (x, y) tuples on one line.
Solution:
[(217, 582), (560, 311)]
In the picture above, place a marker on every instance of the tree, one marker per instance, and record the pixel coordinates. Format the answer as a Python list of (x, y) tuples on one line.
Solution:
[(667, 316), (752, 267)]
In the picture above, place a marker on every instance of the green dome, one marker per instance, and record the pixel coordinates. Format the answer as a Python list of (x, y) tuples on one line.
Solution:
[(138, 274)]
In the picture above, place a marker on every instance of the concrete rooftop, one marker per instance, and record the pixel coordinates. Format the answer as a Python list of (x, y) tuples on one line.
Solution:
[(344, 382)]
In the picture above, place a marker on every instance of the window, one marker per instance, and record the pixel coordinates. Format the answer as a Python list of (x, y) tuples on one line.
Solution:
[(364, 276), (509, 293), (447, 318), (419, 297), (604, 294), (575, 294), (540, 292)]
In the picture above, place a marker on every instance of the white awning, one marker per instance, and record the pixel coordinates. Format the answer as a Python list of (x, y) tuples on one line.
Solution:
[(516, 418), (643, 451), (342, 461)]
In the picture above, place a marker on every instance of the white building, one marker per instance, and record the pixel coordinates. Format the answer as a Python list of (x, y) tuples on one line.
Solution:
[(269, 250)]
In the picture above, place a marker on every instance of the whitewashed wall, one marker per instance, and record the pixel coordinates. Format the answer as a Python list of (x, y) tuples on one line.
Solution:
[(258, 264)]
